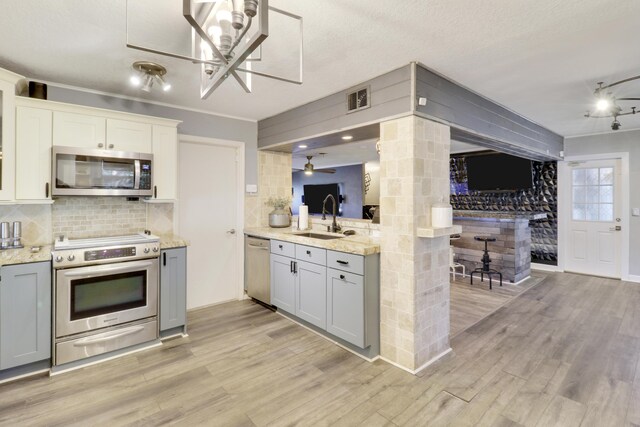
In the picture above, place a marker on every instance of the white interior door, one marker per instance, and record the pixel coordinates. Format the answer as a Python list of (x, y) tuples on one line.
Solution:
[(594, 231), (207, 215)]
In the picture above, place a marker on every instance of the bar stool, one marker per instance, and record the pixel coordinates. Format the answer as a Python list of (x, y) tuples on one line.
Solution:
[(486, 261)]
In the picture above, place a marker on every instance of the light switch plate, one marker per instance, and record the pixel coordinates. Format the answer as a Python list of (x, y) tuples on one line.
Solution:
[(635, 212), (252, 188)]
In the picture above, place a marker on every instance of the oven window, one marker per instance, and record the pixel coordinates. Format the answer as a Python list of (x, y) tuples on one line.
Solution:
[(108, 294)]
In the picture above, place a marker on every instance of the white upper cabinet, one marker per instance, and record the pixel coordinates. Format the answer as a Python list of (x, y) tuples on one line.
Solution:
[(33, 153), (124, 135), (10, 84), (165, 165), (78, 130)]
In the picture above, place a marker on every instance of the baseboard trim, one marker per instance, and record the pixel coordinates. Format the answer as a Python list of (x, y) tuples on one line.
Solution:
[(632, 278), (546, 267), (415, 371)]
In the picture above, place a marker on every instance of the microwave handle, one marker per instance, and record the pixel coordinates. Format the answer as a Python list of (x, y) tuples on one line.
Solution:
[(136, 184)]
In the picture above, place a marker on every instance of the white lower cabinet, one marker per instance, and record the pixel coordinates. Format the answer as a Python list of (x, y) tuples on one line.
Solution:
[(343, 303)]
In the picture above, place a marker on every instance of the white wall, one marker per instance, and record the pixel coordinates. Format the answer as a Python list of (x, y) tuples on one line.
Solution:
[(617, 142)]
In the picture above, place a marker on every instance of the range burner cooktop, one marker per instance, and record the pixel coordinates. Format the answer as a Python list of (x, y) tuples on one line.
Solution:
[(101, 250)]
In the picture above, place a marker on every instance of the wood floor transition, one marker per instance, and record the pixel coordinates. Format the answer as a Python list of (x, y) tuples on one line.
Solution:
[(565, 352)]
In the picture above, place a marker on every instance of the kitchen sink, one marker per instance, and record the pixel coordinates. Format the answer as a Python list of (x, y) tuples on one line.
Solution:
[(319, 236)]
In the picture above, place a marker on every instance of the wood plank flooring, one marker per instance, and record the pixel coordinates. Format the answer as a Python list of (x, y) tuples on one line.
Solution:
[(565, 352), (472, 303)]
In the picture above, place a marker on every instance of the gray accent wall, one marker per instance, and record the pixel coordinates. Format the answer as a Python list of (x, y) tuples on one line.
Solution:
[(348, 177), (464, 109), (617, 142), (193, 123), (390, 95)]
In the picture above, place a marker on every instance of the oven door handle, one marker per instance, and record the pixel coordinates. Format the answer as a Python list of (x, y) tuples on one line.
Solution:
[(110, 269), (108, 336)]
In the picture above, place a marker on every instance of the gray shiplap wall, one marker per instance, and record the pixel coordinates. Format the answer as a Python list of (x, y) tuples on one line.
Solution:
[(193, 123), (503, 129), (390, 96)]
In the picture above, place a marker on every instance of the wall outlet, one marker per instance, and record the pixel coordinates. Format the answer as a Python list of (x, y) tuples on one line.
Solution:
[(252, 188), (635, 212)]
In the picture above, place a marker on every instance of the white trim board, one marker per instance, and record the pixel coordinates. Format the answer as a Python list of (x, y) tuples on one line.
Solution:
[(545, 267), (564, 199), (415, 371)]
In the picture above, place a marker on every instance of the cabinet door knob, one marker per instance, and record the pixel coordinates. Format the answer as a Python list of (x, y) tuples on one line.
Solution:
[(46, 190), (308, 252), (100, 145), (155, 191), (110, 145), (280, 246), (342, 276)]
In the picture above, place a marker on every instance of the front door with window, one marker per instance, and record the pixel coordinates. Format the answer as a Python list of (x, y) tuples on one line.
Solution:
[(594, 227)]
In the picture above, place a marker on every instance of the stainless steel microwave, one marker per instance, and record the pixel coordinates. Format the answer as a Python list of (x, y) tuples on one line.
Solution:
[(92, 172)]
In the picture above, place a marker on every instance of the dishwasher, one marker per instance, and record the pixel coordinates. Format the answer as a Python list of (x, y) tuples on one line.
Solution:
[(257, 277)]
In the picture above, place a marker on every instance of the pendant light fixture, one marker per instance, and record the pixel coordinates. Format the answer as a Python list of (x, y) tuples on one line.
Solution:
[(226, 37)]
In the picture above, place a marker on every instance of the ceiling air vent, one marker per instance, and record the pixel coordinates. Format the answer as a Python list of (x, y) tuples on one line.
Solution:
[(358, 100)]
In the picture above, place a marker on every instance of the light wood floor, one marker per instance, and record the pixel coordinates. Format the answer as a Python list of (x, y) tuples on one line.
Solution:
[(566, 352), (470, 304)]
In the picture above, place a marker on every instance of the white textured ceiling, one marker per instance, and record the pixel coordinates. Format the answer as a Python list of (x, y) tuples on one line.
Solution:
[(540, 58)]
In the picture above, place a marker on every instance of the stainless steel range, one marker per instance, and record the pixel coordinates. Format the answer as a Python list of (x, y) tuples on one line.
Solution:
[(106, 295)]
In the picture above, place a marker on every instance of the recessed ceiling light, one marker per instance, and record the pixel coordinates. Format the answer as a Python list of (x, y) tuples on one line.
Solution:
[(302, 146), (347, 138)]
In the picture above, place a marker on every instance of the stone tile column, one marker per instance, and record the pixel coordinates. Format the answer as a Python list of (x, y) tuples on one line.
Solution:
[(274, 180), (414, 293)]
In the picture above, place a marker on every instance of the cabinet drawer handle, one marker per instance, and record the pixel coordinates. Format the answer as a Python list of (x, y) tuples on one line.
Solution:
[(308, 252), (342, 262), (164, 258), (280, 246), (342, 276), (155, 191), (100, 145), (290, 266), (46, 190), (110, 145)]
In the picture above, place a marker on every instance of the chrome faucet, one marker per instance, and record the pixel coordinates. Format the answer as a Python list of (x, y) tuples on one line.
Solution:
[(334, 226)]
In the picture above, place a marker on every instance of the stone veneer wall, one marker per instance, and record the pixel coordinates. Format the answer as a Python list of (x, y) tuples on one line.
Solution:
[(80, 217), (274, 180), (414, 288)]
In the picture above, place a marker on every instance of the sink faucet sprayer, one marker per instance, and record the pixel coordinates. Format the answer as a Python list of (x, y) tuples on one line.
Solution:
[(334, 226)]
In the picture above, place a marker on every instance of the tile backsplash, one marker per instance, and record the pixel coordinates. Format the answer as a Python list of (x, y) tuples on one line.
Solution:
[(36, 222), (80, 217)]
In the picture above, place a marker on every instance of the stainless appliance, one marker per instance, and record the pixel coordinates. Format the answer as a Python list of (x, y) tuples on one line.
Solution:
[(93, 172), (256, 269), (105, 295)]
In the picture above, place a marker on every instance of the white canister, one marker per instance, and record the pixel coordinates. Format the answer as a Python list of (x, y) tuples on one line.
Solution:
[(441, 215)]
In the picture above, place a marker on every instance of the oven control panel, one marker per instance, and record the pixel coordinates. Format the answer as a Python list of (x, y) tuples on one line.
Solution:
[(101, 255), (94, 255)]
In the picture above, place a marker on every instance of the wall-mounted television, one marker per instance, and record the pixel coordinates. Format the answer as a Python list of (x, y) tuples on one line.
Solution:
[(314, 195), (498, 172)]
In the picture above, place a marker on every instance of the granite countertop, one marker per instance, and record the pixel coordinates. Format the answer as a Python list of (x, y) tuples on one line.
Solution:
[(169, 241), (498, 215), (24, 255), (359, 245)]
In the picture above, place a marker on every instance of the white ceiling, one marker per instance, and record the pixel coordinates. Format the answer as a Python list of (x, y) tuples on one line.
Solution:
[(540, 58)]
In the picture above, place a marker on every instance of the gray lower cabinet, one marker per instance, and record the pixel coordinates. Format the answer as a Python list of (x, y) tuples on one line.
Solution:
[(345, 306), (25, 314), (173, 288), (311, 295), (336, 291), (283, 283)]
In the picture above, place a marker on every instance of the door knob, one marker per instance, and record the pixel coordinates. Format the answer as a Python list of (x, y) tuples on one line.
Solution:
[(616, 228), (232, 231)]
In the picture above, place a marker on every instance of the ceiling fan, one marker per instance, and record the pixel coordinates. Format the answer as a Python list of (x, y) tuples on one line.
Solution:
[(309, 169)]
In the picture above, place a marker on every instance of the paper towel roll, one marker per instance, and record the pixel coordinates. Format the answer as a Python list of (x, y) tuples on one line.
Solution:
[(303, 217)]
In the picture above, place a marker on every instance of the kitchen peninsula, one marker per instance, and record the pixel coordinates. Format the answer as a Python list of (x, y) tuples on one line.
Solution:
[(510, 253)]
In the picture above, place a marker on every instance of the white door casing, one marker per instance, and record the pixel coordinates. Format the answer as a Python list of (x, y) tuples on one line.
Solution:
[(210, 205), (594, 232)]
